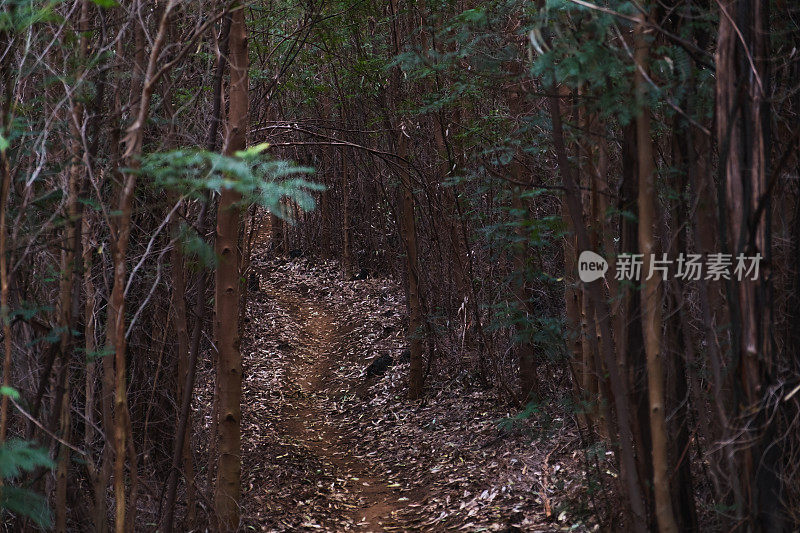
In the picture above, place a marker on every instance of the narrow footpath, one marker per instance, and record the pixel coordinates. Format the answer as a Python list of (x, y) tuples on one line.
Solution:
[(327, 447), (373, 503)]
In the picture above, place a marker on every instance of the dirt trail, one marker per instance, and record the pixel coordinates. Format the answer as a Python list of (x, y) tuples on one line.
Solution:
[(321, 339), (324, 449)]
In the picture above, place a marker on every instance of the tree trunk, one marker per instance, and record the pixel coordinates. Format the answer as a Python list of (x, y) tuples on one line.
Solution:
[(182, 449), (416, 376), (5, 188), (743, 118), (651, 298), (133, 143), (229, 362), (599, 302), (347, 260), (69, 254), (91, 375), (408, 227)]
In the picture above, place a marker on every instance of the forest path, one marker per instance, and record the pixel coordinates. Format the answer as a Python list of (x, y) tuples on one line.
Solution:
[(325, 448), (300, 468), (320, 347)]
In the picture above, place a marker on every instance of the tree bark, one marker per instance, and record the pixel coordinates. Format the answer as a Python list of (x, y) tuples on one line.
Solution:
[(227, 293), (347, 260), (5, 188), (69, 254), (599, 302), (743, 119), (652, 290), (408, 228), (133, 143)]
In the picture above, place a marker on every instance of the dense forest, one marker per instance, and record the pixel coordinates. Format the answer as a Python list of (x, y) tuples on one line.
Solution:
[(432, 265)]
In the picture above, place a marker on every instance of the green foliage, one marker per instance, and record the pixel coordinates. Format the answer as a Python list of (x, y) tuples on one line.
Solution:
[(511, 423), (24, 502), (11, 392), (578, 47), (105, 3), (544, 332), (195, 247), (582, 48), (259, 180), (99, 354), (28, 310), (534, 411), (533, 320), (52, 336), (16, 16), (16, 457)]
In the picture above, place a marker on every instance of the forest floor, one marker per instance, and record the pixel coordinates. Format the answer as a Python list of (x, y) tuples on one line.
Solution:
[(328, 448)]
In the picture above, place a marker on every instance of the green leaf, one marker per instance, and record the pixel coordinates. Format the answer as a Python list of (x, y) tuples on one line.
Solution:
[(11, 392), (4, 144), (28, 310), (26, 503), (252, 151), (99, 354), (17, 456), (195, 246), (258, 179), (105, 3)]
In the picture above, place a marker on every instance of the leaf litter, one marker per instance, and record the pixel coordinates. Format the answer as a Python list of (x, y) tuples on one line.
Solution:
[(325, 447)]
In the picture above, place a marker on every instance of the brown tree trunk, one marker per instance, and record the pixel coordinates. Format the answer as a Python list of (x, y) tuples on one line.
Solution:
[(680, 360), (742, 111), (347, 260), (528, 378), (133, 142), (526, 352), (69, 254), (5, 187), (652, 291), (628, 331), (180, 325), (408, 228), (599, 303), (91, 376), (416, 376), (229, 362)]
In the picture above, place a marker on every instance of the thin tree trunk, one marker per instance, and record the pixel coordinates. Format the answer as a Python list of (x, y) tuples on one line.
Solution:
[(652, 291), (91, 375), (202, 223), (526, 351), (5, 187), (229, 368), (416, 371), (107, 362), (71, 249), (133, 142), (184, 395), (743, 120), (528, 378), (632, 361), (347, 260), (408, 229), (599, 302)]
